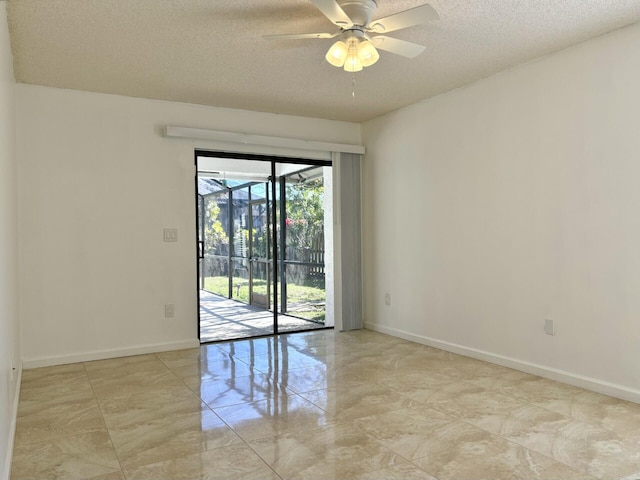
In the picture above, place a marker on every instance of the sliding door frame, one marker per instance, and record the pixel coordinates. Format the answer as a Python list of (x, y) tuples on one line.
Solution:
[(275, 186)]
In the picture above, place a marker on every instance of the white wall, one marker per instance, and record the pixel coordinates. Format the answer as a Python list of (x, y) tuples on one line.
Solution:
[(9, 329), (515, 199), (97, 185)]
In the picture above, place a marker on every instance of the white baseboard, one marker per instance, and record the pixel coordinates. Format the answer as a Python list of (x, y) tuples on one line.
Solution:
[(104, 354), (588, 383), (12, 425)]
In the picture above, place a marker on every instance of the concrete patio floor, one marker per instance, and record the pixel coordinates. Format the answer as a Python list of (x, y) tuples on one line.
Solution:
[(225, 319)]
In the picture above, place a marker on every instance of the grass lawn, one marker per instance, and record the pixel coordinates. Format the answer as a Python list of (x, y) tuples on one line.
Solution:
[(305, 302)]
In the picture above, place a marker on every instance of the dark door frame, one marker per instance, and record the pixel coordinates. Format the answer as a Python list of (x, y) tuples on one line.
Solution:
[(273, 159)]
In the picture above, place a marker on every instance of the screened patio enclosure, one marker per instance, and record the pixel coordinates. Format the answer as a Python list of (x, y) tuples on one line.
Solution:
[(238, 212)]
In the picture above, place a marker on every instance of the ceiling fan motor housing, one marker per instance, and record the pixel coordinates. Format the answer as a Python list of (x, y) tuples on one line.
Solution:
[(359, 11), (353, 35)]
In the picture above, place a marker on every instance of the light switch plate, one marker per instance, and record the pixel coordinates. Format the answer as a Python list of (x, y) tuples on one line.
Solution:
[(549, 328), (170, 234)]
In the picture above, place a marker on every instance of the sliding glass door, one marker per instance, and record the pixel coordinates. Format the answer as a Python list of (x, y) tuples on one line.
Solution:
[(262, 243)]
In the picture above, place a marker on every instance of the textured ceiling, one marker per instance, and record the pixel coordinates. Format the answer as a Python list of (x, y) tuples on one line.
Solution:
[(211, 52)]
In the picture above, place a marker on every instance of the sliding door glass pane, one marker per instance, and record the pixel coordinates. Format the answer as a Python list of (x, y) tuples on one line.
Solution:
[(216, 243), (305, 292), (240, 250), (304, 245)]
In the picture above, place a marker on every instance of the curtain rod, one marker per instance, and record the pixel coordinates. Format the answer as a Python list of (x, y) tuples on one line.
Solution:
[(262, 140)]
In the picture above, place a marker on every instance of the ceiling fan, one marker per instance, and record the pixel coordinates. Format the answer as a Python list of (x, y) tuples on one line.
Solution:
[(360, 36)]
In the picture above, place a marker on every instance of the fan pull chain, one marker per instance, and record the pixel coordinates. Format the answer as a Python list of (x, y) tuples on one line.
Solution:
[(353, 85)]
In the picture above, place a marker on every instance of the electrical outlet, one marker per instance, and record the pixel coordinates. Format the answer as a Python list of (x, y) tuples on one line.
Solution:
[(549, 327), (168, 310), (170, 234), (387, 299)]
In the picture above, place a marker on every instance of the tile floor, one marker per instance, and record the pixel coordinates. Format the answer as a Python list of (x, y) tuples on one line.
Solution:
[(225, 319), (316, 405)]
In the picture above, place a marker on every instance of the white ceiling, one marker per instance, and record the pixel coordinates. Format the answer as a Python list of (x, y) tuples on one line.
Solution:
[(211, 52)]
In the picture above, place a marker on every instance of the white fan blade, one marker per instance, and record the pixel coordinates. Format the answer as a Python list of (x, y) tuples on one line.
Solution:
[(399, 47), (299, 36), (408, 18), (333, 12)]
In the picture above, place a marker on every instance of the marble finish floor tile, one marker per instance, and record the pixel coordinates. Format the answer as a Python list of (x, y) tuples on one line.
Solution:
[(283, 361), (192, 356), (112, 385), (124, 365), (482, 408), (236, 391), (47, 376), (356, 405), (131, 408), (305, 379), (247, 348), (234, 462), (169, 437), (488, 457), (509, 382), (327, 452), (633, 476), (489, 375), (419, 386), (119, 475), (35, 394), (398, 472), (437, 393), (584, 447), (607, 412), (80, 457), (283, 414), (412, 362), (312, 342), (357, 401), (533, 427), (46, 420), (416, 431), (212, 370)]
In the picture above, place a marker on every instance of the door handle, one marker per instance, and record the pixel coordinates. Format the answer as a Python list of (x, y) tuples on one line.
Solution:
[(201, 249)]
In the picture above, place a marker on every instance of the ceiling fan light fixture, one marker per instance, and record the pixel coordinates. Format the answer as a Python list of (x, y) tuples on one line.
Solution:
[(367, 53), (337, 54), (353, 63)]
